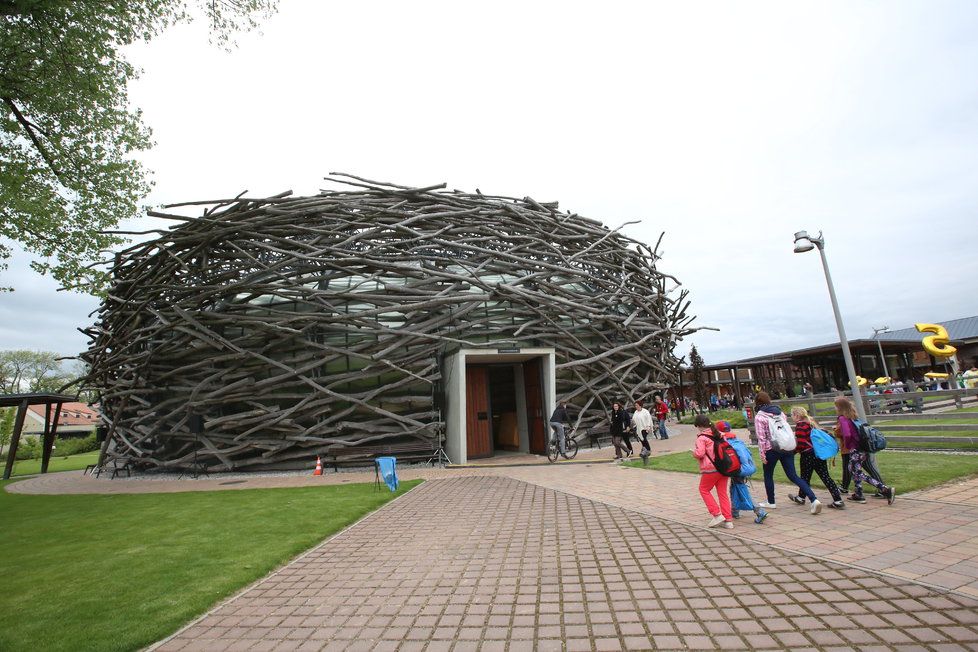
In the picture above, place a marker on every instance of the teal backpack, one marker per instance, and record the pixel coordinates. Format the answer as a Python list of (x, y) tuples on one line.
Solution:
[(824, 444)]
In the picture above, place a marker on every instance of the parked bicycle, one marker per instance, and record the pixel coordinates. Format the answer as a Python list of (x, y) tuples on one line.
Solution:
[(570, 446)]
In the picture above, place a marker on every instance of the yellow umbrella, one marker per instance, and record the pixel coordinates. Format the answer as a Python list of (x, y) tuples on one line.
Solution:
[(882, 380), (935, 374), (859, 381)]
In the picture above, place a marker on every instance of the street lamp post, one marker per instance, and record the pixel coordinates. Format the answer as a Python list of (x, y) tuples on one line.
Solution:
[(803, 243), (876, 335)]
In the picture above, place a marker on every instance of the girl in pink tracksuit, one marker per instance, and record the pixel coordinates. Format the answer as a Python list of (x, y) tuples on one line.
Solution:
[(710, 478)]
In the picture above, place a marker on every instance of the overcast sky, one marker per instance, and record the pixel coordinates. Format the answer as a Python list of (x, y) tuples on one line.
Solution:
[(728, 126)]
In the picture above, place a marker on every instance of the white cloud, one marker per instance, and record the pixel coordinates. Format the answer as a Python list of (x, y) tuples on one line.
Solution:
[(729, 126)]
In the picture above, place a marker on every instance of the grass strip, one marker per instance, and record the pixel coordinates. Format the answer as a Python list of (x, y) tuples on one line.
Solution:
[(69, 463), (908, 471), (118, 572)]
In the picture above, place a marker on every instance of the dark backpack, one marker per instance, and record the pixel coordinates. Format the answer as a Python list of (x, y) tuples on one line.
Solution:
[(725, 458), (871, 440)]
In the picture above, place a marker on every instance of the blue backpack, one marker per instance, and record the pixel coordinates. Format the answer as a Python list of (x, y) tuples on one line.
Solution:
[(747, 466), (824, 444), (871, 440)]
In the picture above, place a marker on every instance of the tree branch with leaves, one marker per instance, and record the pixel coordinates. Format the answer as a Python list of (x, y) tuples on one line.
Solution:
[(68, 135)]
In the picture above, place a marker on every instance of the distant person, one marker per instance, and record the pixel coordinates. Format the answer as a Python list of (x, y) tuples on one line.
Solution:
[(620, 422), (661, 414), (557, 421), (642, 424), (846, 412)]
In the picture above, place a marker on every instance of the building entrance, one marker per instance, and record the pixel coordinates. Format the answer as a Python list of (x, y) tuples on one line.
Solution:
[(497, 402)]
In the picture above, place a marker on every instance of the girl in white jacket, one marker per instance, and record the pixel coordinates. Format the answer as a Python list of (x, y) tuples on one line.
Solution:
[(643, 423)]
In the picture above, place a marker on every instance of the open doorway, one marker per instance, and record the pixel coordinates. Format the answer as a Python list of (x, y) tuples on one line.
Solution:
[(497, 402)]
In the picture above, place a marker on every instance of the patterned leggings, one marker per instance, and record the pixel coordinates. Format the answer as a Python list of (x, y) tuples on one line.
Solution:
[(809, 464), (856, 470)]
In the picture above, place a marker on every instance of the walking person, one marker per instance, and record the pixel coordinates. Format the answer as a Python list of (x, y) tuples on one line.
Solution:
[(810, 463), (620, 422), (661, 414), (557, 421), (850, 436), (768, 417), (710, 478), (740, 495), (642, 424)]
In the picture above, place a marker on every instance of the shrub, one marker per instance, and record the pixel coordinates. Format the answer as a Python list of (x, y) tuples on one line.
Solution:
[(735, 417), (29, 448), (75, 445)]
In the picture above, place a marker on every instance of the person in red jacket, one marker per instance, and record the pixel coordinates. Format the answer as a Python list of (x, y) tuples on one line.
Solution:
[(710, 478), (661, 413)]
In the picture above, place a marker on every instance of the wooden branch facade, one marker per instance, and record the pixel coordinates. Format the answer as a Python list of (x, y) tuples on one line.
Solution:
[(297, 324)]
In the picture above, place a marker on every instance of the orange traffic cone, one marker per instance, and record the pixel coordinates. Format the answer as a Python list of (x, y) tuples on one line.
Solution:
[(319, 467)]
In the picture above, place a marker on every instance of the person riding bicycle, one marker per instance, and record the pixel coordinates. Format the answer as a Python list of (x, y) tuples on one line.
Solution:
[(557, 421)]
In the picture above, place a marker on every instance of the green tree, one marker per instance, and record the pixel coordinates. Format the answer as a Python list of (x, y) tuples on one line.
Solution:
[(700, 392), (67, 132), (6, 427), (31, 371)]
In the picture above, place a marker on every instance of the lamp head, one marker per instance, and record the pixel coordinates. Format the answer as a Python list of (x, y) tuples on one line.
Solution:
[(802, 242)]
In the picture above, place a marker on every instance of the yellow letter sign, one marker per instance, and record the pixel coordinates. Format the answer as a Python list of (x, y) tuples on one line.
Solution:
[(936, 344)]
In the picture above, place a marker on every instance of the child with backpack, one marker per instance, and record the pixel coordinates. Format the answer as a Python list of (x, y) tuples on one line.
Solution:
[(809, 459), (710, 478), (850, 437), (740, 497), (777, 444)]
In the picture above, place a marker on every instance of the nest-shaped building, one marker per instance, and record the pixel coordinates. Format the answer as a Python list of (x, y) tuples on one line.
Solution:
[(269, 331)]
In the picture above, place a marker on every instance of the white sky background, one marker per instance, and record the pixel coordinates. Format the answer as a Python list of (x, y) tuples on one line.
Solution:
[(728, 126)]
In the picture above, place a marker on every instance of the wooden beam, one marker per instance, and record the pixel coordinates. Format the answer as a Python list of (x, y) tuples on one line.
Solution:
[(50, 434), (15, 439)]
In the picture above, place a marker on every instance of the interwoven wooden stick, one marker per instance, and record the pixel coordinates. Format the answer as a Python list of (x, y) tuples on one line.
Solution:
[(298, 323)]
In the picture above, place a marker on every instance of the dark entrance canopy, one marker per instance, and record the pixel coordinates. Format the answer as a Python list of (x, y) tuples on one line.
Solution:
[(22, 402)]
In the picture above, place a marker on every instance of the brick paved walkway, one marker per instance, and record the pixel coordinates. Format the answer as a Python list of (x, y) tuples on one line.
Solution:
[(473, 563), (932, 540)]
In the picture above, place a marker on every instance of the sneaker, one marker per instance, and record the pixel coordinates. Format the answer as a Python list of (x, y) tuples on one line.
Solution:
[(728, 525), (761, 515), (716, 520), (879, 494), (735, 513), (844, 490), (838, 504), (768, 505), (796, 499), (890, 495), (857, 498), (816, 506)]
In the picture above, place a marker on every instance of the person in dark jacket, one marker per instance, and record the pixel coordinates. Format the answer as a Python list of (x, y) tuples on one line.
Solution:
[(620, 422), (557, 421)]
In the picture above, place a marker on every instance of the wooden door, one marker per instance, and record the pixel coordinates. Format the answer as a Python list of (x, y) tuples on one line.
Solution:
[(535, 418), (478, 428)]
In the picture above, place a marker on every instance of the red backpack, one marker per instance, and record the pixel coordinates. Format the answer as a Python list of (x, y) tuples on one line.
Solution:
[(725, 458)]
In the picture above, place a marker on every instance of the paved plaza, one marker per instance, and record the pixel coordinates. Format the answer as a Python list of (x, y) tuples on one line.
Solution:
[(592, 556), (493, 563)]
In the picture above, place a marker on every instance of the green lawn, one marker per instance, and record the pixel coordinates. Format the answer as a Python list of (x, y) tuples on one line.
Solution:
[(907, 471), (118, 572), (70, 463), (881, 418)]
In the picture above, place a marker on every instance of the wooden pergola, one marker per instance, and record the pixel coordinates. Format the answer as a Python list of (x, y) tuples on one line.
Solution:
[(22, 402)]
